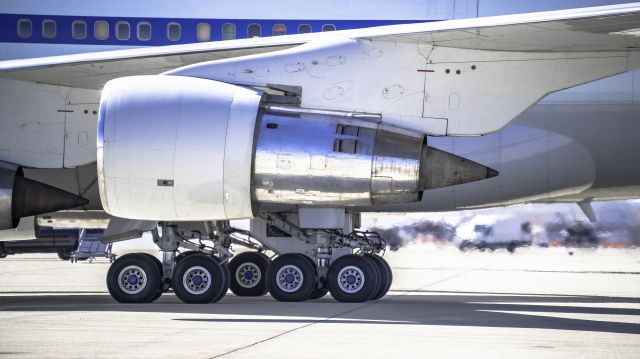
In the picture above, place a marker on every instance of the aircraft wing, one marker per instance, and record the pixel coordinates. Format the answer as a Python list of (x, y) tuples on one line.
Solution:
[(603, 28), (522, 57), (93, 70), (608, 28)]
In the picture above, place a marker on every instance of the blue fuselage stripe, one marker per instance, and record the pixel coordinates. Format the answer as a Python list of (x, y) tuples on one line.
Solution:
[(9, 28)]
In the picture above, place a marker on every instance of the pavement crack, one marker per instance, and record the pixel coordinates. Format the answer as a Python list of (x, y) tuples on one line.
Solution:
[(294, 330)]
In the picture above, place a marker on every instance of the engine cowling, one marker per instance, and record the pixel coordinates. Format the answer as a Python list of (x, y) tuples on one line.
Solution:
[(186, 149)]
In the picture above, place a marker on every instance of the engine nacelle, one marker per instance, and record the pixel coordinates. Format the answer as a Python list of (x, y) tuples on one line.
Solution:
[(186, 149), (176, 148)]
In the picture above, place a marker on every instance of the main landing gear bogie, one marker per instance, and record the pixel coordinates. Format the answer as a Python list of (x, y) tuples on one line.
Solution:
[(207, 270), (351, 278)]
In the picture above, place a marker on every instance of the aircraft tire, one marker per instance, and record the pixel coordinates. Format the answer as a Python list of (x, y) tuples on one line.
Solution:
[(199, 279), (159, 265), (183, 255), (64, 255), (291, 278), (352, 279), (134, 278), (386, 276), (248, 274), (227, 280), (320, 289), (378, 274)]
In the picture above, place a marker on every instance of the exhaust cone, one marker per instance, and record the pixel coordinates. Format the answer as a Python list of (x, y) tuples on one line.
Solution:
[(32, 198), (444, 169)]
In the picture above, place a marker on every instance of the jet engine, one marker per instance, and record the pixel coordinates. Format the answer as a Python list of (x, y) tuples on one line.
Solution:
[(23, 197), (184, 149)]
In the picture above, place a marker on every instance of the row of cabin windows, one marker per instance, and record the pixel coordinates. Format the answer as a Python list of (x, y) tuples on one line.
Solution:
[(143, 30)]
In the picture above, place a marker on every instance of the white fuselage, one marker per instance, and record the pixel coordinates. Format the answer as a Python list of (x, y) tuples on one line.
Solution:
[(576, 144)]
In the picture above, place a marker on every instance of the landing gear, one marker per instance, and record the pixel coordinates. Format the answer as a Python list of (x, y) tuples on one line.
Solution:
[(248, 274), (134, 278), (64, 255), (291, 278), (386, 275), (199, 279), (309, 264), (353, 278)]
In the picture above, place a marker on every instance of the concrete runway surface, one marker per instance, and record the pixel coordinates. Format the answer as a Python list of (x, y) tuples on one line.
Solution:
[(538, 303)]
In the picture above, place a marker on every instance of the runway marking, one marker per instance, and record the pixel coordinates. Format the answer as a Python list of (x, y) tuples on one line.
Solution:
[(524, 270), (616, 318), (482, 294), (603, 305)]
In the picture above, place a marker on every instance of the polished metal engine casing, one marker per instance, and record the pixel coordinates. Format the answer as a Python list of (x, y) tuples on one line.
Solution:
[(333, 160)]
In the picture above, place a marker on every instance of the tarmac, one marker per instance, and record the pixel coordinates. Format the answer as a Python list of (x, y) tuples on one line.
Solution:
[(536, 303)]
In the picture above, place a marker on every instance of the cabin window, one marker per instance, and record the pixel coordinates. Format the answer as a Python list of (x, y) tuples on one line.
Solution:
[(329, 27), (79, 30), (203, 32), (279, 29), (254, 30), (25, 28), (48, 29), (304, 29), (123, 30), (144, 31), (173, 31), (101, 30), (228, 31)]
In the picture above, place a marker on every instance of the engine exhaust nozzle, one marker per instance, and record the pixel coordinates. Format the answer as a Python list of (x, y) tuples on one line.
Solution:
[(442, 169)]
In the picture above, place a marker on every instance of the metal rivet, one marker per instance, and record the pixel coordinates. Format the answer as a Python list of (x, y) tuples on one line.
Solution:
[(458, 72), (473, 67), (447, 70)]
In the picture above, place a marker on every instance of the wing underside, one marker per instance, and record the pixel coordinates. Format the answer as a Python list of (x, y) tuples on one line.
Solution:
[(608, 28)]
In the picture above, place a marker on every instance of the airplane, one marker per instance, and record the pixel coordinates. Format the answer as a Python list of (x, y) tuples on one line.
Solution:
[(439, 107)]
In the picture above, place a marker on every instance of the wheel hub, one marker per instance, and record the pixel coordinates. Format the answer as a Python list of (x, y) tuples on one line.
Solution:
[(351, 279), (248, 275), (196, 280), (132, 279), (289, 278)]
